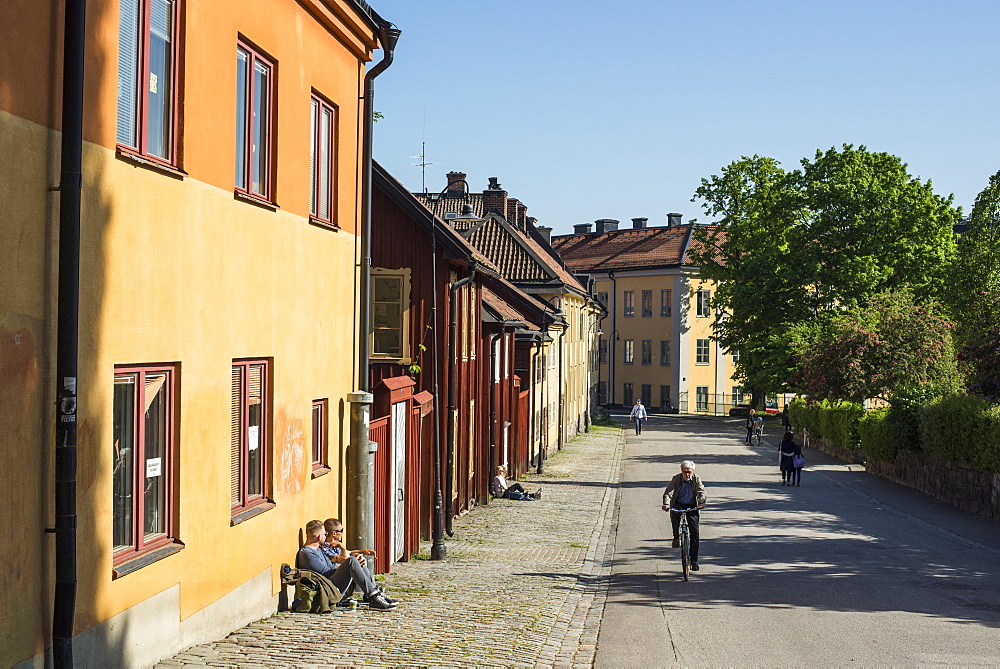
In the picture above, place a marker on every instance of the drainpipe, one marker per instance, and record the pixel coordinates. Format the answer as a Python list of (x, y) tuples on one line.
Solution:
[(562, 391), (532, 382), (361, 463), (493, 402), (452, 391), (67, 346), (613, 352), (544, 437), (438, 550)]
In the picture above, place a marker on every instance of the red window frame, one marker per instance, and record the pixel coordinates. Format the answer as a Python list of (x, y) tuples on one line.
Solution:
[(141, 101), (246, 501), (319, 434), (316, 118), (140, 546), (245, 187)]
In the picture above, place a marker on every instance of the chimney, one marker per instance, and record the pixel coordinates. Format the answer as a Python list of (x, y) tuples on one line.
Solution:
[(545, 232), (639, 223), (522, 214), (512, 210), (581, 229), (495, 198), (673, 219), (606, 225), (456, 184)]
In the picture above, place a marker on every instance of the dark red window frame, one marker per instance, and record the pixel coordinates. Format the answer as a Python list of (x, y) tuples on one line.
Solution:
[(245, 188), (140, 546), (316, 118), (246, 501), (142, 82), (319, 434)]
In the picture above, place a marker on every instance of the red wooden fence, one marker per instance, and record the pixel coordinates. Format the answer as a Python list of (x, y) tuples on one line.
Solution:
[(379, 431)]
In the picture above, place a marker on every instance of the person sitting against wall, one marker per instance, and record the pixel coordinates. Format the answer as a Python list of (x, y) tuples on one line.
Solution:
[(347, 575), (335, 548), (513, 490)]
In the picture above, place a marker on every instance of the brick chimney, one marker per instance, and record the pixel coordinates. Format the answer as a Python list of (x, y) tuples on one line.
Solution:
[(606, 225), (495, 198), (522, 214), (673, 219), (456, 184), (639, 223), (581, 228), (512, 203)]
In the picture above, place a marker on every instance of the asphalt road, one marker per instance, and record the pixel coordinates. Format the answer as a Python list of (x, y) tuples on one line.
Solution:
[(845, 570)]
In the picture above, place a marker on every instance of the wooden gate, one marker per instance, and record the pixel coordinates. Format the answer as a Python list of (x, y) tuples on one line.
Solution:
[(379, 431)]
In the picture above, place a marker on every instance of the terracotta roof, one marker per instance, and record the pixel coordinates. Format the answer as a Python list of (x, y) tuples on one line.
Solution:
[(625, 249), (514, 251)]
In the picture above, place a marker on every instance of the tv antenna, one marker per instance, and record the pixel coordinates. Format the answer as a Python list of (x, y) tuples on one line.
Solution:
[(422, 157)]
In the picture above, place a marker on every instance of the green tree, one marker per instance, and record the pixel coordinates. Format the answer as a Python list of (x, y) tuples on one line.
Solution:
[(892, 343), (974, 291)]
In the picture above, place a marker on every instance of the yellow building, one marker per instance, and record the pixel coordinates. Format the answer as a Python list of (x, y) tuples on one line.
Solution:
[(219, 219), (656, 343)]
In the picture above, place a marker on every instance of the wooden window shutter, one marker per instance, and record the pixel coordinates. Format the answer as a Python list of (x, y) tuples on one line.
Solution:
[(236, 438)]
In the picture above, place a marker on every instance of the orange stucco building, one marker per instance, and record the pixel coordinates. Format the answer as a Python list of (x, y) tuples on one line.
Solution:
[(219, 249)]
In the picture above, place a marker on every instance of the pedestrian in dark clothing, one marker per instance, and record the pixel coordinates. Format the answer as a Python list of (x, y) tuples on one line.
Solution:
[(790, 474), (751, 421)]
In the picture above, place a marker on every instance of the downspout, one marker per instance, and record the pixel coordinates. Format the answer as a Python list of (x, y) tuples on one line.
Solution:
[(68, 319), (612, 338), (494, 372), (361, 461), (543, 441), (562, 391), (452, 391), (533, 382)]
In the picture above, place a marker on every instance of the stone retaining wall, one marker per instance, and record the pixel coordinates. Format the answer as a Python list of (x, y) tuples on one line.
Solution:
[(951, 481)]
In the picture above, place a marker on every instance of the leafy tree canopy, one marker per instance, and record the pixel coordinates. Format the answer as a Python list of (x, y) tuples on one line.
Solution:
[(974, 293)]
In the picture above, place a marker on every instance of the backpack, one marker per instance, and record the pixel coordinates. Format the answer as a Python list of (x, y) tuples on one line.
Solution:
[(314, 593)]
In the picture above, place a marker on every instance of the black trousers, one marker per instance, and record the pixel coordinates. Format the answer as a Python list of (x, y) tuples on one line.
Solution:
[(675, 521)]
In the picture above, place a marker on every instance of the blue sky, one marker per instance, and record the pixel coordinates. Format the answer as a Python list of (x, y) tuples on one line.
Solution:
[(588, 109)]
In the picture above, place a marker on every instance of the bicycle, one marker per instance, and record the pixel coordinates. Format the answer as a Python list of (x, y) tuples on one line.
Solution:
[(685, 536), (758, 431)]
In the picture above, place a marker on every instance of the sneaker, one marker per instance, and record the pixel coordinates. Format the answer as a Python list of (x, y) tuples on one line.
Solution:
[(538, 494), (391, 600), (378, 601), (694, 566), (676, 544)]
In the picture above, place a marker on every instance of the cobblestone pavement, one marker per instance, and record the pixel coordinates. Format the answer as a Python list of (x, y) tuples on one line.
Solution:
[(524, 585)]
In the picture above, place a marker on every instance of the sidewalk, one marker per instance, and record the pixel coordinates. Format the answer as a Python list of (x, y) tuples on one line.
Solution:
[(524, 585)]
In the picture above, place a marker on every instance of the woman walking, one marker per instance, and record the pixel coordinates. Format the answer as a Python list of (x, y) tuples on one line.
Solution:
[(790, 474)]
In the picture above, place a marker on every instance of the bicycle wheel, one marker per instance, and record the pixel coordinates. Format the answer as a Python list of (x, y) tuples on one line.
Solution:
[(685, 553)]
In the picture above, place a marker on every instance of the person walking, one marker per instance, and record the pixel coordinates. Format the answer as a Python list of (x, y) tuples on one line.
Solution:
[(638, 415), (751, 422), (790, 450)]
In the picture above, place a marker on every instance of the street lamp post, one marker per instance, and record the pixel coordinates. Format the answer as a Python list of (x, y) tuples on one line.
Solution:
[(556, 314)]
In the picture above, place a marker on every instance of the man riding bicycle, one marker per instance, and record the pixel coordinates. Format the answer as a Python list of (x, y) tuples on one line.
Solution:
[(685, 491)]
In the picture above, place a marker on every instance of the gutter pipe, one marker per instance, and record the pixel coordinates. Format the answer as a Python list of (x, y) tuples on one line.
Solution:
[(361, 461), (612, 338), (68, 319), (452, 391), (494, 372), (438, 549)]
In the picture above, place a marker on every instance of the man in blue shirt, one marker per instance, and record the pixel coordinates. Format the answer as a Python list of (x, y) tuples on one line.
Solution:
[(685, 491), (346, 576)]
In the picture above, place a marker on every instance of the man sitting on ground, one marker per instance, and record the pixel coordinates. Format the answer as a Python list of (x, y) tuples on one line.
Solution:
[(335, 548), (346, 576)]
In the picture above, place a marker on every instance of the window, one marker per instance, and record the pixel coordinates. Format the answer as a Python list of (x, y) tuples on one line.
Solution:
[(629, 300), (647, 303), (647, 351), (701, 398), (390, 315), (704, 297), (603, 298), (701, 352), (665, 299), (664, 352), (322, 160), (254, 123), (603, 350), (647, 395), (248, 445), (143, 472), (665, 403), (629, 351), (319, 436), (147, 78), (736, 355), (737, 395), (628, 396)]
